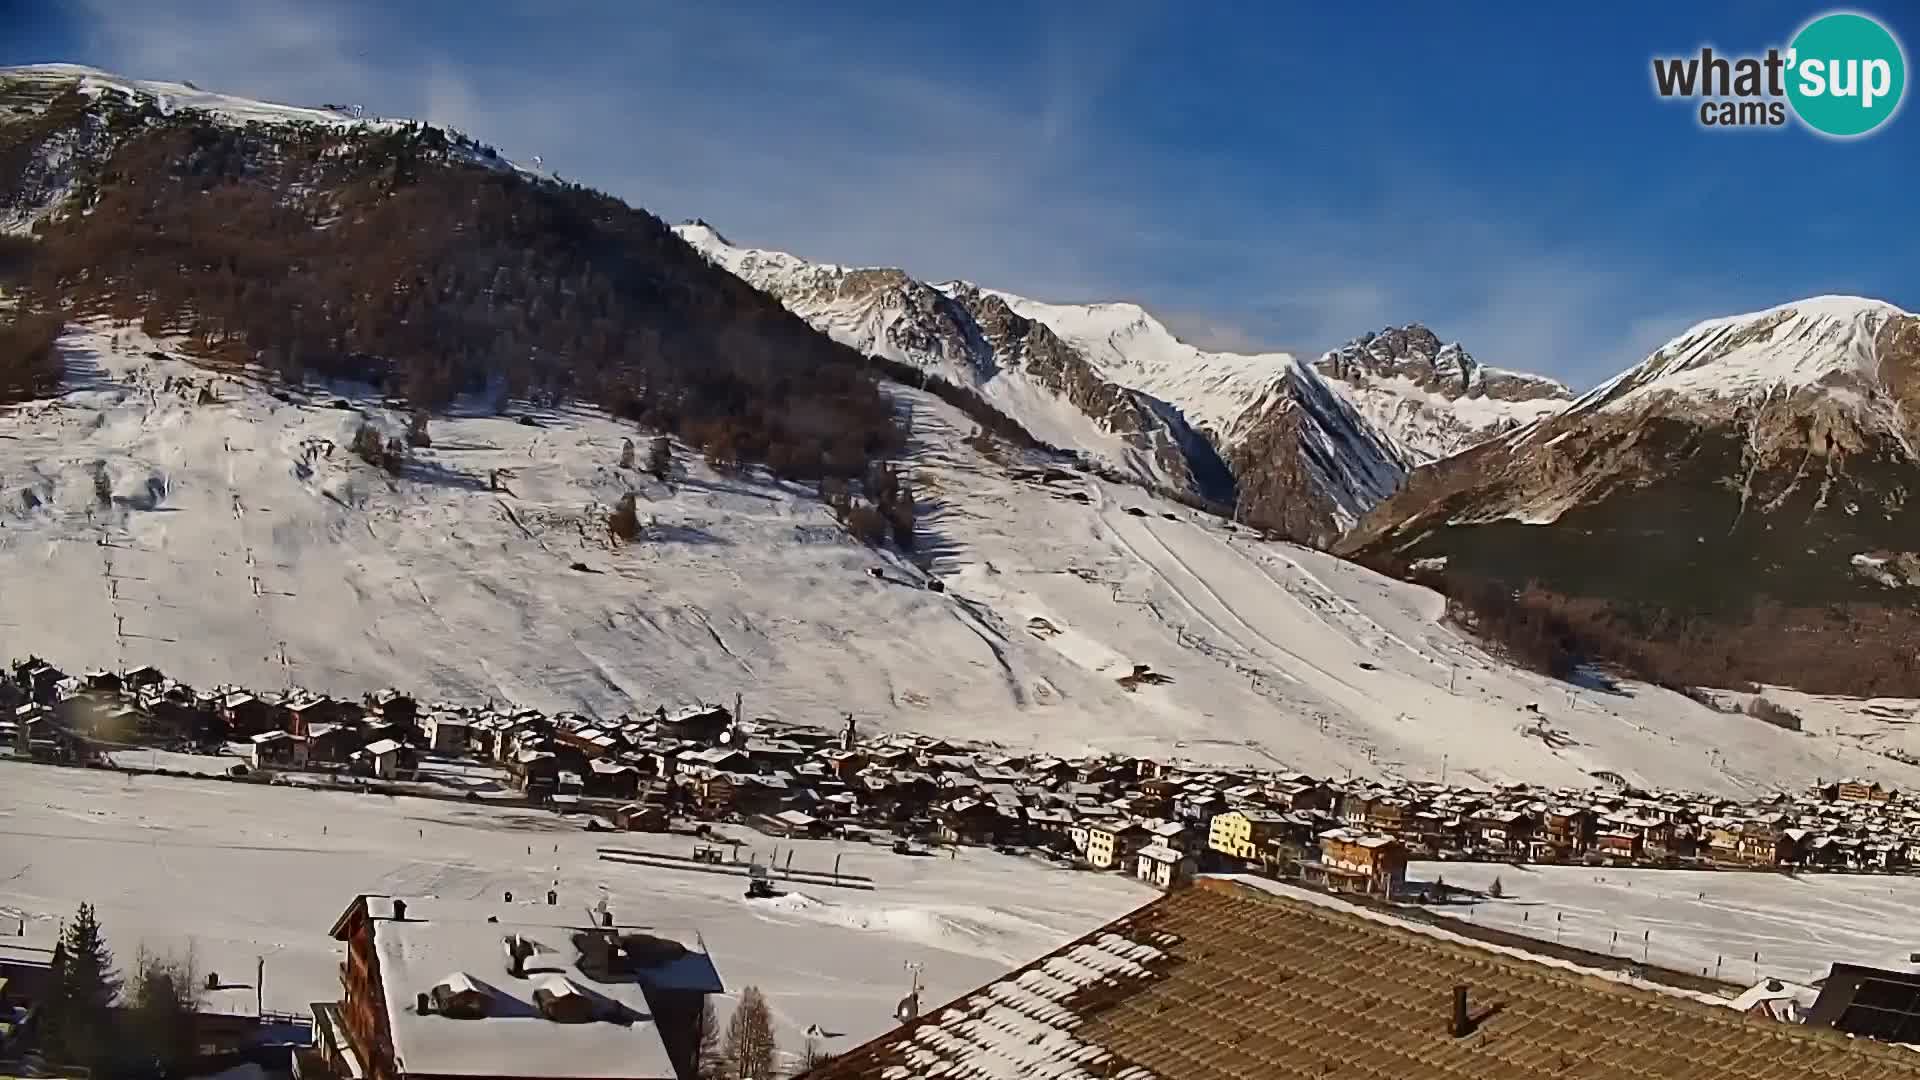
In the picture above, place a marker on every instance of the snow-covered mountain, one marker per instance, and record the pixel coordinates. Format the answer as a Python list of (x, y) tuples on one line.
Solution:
[(1111, 381), (219, 526), (1772, 453), (975, 339), (1435, 399)]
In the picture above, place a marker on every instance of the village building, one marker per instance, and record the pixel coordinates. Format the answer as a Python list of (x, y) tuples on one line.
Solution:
[(277, 750), (1359, 862), (446, 732), (442, 989), (1112, 844), (1243, 834), (380, 759), (1162, 866)]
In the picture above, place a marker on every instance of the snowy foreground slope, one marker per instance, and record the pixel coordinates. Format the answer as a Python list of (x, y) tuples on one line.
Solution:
[(238, 871), (237, 547), (1699, 920)]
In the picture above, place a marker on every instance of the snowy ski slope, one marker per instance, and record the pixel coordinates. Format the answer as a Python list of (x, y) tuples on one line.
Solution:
[(238, 548)]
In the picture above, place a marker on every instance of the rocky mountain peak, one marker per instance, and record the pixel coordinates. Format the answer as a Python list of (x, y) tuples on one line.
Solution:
[(1412, 352)]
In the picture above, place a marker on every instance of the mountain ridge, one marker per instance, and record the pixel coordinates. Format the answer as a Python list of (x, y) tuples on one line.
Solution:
[(1757, 476), (1301, 459)]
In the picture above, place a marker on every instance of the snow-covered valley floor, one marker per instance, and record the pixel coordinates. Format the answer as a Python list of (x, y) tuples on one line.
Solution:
[(234, 538), (1699, 920), (240, 871)]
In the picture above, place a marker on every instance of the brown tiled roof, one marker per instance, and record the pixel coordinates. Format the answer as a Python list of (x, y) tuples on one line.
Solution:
[(1223, 981)]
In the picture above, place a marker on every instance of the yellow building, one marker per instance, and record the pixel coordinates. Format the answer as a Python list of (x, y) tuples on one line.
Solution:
[(1243, 834)]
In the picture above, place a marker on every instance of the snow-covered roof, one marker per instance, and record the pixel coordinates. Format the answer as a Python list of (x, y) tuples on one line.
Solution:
[(383, 748), (515, 1039)]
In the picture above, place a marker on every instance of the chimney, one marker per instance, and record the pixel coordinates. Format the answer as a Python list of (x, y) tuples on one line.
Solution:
[(399, 911), (213, 980), (1461, 1026), (552, 898), (606, 919), (516, 958), (423, 1003)]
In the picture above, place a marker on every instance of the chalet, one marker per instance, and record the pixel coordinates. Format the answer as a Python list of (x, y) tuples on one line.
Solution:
[(381, 759), (447, 733), (1162, 866), (1860, 791), (1370, 863), (142, 677), (1047, 826), (1147, 805), (277, 750), (389, 707), (1173, 834), (703, 723), (1503, 832), (435, 988), (762, 794), (100, 680), (845, 764), (642, 817), (1761, 844), (611, 779), (1617, 844), (332, 744), (792, 823), (247, 715), (536, 772), (714, 793), (569, 783), (720, 758), (297, 717), (1113, 843), (1300, 795), (967, 821), (1564, 834)]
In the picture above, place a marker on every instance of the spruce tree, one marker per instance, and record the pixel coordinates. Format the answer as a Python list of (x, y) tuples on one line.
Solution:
[(84, 989)]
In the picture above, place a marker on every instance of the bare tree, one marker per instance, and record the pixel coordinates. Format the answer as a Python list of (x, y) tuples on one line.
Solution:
[(709, 1064), (160, 1019), (750, 1044), (813, 1055)]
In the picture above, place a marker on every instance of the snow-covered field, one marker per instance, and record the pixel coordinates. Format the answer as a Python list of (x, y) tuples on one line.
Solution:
[(242, 541), (240, 871), (1697, 920)]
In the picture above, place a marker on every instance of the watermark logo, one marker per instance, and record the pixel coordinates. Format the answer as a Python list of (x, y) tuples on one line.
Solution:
[(1843, 75)]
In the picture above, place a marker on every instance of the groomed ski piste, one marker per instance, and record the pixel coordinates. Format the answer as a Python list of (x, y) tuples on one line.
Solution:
[(157, 512)]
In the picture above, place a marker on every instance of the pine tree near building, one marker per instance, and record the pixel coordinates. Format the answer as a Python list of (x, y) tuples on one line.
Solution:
[(81, 993)]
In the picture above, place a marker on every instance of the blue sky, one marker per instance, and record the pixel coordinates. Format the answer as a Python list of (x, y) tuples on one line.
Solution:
[(1258, 175)]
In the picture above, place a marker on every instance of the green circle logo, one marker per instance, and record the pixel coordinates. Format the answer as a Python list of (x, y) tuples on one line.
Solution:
[(1846, 74)]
